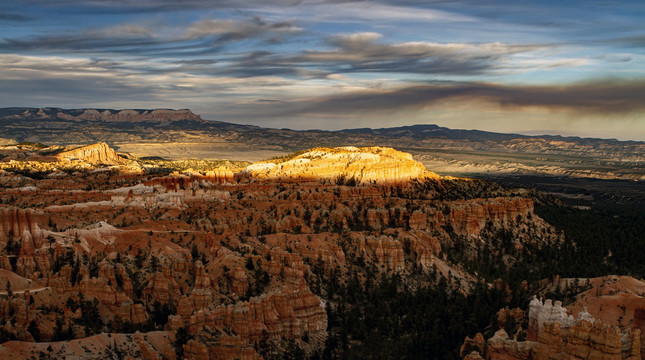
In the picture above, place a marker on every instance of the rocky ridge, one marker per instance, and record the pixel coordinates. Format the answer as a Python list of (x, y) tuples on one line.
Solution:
[(53, 161), (106, 115), (99, 153), (345, 164), (553, 333)]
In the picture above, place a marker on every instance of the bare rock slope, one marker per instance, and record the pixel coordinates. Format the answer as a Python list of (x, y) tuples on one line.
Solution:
[(99, 153)]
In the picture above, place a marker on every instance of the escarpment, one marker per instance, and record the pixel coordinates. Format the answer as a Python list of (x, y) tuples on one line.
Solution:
[(97, 153), (107, 115)]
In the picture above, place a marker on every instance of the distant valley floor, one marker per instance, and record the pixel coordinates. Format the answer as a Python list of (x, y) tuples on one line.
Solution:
[(575, 180)]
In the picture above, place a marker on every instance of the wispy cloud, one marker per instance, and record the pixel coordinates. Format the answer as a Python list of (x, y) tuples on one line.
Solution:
[(363, 52), (340, 10), (367, 11), (341, 53), (238, 30), (202, 36), (106, 81), (59, 80)]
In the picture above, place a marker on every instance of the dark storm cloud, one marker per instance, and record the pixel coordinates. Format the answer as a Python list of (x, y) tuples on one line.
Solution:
[(608, 97)]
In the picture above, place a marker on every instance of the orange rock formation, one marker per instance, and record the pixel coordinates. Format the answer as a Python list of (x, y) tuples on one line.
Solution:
[(553, 334), (97, 154), (371, 164), (235, 260)]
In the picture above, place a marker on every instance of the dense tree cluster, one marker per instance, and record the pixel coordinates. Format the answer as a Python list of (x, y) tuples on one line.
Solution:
[(385, 319), (608, 239)]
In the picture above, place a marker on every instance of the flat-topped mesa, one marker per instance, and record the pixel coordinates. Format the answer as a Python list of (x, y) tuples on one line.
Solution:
[(346, 164), (128, 115), (99, 153)]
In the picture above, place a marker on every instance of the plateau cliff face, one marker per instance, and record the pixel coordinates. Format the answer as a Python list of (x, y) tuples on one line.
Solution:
[(104, 115), (96, 154)]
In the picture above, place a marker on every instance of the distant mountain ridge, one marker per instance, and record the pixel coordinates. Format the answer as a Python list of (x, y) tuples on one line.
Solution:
[(153, 132), (105, 115), (431, 130), (167, 116), (436, 131)]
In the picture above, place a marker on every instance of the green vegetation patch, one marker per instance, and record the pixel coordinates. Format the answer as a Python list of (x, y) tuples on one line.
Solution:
[(156, 165)]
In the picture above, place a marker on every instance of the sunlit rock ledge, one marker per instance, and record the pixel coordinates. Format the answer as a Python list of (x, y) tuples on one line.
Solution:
[(349, 164)]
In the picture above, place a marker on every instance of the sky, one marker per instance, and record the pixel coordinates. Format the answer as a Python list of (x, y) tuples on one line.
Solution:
[(531, 67)]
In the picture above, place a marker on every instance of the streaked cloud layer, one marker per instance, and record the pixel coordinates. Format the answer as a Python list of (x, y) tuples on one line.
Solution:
[(575, 67)]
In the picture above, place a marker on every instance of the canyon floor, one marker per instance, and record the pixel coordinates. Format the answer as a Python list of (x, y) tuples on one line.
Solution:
[(199, 150)]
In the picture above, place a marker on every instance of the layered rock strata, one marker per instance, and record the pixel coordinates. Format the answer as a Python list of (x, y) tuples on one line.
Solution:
[(99, 153), (346, 164), (553, 334)]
